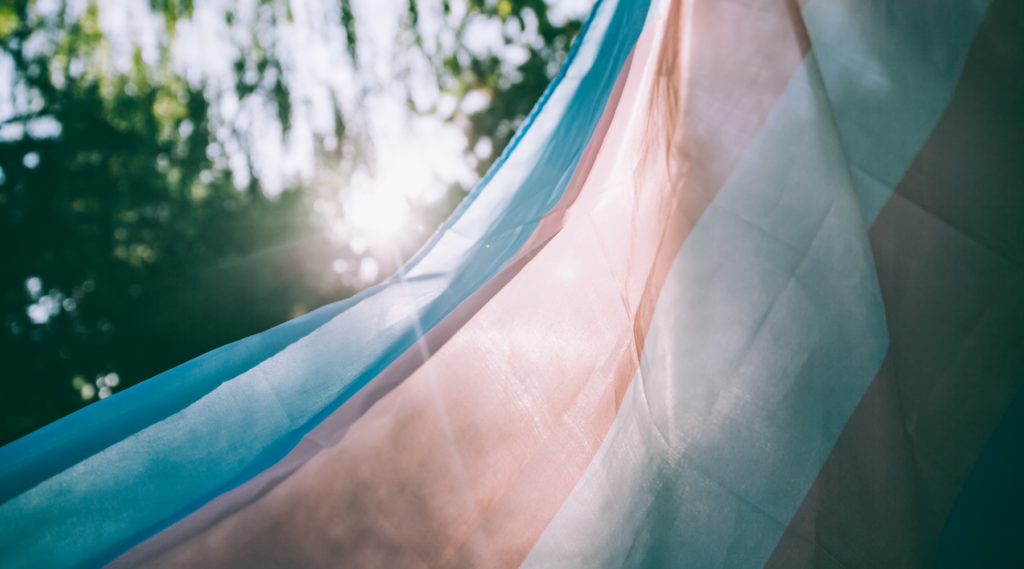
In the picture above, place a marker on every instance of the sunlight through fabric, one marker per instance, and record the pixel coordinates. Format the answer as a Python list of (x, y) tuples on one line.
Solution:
[(746, 290)]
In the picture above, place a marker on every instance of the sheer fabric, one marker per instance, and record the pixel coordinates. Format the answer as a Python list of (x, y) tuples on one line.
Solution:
[(745, 291)]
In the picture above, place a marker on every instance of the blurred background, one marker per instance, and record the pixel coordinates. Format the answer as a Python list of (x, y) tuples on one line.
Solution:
[(176, 175)]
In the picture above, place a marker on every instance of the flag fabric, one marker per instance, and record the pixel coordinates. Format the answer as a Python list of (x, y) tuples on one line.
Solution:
[(745, 290)]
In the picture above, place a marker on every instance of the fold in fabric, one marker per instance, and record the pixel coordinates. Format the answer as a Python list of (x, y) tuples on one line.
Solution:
[(746, 293), (887, 73), (436, 473), (767, 332), (333, 428), (949, 248), (106, 493)]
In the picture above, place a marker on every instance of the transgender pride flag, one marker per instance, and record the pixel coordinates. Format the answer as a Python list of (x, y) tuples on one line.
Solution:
[(746, 290)]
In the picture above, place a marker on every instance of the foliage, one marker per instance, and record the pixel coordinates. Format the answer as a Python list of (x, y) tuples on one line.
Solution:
[(124, 249), (511, 90)]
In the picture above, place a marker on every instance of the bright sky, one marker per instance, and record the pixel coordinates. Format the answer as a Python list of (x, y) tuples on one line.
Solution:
[(369, 197)]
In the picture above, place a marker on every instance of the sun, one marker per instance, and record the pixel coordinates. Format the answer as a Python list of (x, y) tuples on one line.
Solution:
[(380, 216)]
